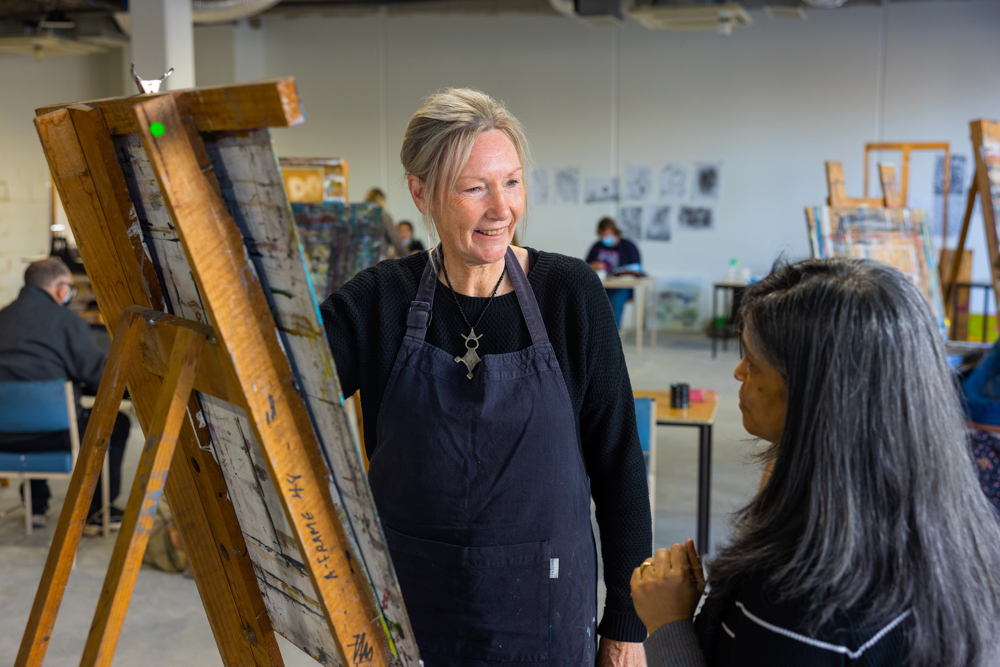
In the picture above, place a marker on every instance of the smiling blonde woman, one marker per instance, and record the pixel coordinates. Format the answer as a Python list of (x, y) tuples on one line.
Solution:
[(493, 385)]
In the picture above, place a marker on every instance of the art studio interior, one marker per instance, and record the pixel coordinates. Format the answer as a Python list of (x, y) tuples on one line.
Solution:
[(617, 333)]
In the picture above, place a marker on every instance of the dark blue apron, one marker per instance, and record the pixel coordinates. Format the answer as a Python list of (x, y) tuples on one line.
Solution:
[(483, 493)]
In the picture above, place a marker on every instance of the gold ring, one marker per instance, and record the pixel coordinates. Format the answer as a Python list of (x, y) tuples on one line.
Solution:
[(645, 564)]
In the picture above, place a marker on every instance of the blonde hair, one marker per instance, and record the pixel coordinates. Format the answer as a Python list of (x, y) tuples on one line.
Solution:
[(440, 136)]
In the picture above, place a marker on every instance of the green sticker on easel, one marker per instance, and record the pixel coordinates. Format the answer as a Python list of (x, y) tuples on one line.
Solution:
[(157, 129)]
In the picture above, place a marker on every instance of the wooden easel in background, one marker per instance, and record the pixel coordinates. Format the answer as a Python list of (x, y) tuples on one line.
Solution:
[(895, 192), (265, 481), (986, 183)]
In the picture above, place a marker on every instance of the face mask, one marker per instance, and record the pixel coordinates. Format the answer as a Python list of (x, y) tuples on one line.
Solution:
[(69, 297), (407, 241), (609, 240)]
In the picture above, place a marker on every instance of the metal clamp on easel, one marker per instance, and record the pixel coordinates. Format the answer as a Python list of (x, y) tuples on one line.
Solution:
[(149, 86)]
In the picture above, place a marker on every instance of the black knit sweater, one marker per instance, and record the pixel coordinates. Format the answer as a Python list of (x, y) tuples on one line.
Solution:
[(365, 323)]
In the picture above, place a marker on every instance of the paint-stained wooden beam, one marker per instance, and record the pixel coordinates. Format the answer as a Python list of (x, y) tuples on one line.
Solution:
[(76, 508), (93, 190), (239, 312), (244, 106), (150, 480)]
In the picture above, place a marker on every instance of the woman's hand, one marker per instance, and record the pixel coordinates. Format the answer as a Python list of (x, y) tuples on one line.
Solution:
[(598, 265), (613, 653), (669, 587)]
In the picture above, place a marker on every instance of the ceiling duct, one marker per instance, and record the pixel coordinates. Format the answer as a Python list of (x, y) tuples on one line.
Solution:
[(825, 4), (226, 11), (83, 35), (721, 17), (596, 13)]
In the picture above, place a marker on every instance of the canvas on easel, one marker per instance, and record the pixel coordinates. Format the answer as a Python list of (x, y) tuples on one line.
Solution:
[(185, 229), (897, 237)]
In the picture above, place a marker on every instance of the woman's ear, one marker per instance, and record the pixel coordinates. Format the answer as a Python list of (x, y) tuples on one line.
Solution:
[(417, 192)]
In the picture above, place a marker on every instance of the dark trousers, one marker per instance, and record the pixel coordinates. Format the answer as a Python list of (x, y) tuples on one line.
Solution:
[(59, 441)]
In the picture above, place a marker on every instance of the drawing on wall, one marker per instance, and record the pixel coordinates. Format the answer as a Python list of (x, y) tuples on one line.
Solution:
[(568, 186), (956, 181), (600, 190), (674, 181), (630, 221), (695, 217), (707, 177), (658, 225), (678, 304), (638, 182), (538, 185)]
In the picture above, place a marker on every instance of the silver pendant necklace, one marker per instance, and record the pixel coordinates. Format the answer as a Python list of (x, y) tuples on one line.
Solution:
[(471, 358)]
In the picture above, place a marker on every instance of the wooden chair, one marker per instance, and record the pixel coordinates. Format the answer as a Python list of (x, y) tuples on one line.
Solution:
[(43, 407), (645, 417)]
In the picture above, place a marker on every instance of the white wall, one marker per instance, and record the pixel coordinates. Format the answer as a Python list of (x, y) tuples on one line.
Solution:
[(771, 103), (24, 174)]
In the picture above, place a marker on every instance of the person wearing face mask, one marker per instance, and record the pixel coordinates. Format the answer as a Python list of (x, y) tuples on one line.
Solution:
[(406, 235), (41, 339), (615, 256)]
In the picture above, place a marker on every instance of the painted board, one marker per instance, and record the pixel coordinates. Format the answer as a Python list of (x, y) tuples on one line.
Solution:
[(898, 237), (339, 241), (254, 193)]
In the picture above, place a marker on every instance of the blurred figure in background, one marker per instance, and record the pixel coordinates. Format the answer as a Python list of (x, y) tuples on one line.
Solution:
[(615, 256), (392, 245), (40, 339), (405, 229)]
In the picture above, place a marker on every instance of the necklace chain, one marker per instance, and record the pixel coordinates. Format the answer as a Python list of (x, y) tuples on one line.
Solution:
[(455, 297)]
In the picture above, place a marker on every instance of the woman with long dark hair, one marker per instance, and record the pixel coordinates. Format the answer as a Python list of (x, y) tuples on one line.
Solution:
[(871, 542)]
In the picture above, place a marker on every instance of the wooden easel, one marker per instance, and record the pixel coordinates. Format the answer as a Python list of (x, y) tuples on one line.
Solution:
[(147, 176), (986, 183), (905, 148)]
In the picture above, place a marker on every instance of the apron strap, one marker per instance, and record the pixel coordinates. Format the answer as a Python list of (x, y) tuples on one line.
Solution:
[(421, 308), (526, 299)]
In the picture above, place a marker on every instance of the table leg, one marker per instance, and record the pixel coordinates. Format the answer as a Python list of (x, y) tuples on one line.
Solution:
[(704, 487), (640, 302), (656, 318), (715, 308)]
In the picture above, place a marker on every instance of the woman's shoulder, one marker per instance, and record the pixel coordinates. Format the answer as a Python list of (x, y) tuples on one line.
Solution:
[(559, 270), (757, 616)]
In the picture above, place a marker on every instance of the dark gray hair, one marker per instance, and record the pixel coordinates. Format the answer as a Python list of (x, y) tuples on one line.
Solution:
[(872, 505), (45, 272)]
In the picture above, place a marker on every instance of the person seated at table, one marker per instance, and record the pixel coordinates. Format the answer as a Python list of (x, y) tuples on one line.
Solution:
[(871, 543), (615, 256), (42, 340), (413, 245)]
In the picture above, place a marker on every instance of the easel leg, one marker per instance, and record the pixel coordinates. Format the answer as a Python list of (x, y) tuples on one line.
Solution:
[(81, 491), (953, 274), (171, 409)]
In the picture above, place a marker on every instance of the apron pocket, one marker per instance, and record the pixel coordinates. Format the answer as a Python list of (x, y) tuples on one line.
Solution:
[(482, 603)]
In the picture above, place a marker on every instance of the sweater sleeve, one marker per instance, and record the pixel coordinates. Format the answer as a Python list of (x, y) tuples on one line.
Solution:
[(342, 319), (614, 461), (674, 645)]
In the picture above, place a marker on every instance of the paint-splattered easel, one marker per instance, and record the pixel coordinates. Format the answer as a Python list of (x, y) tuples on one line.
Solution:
[(178, 208), (986, 183)]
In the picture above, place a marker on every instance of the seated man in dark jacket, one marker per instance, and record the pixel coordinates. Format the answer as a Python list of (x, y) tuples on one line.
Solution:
[(40, 339)]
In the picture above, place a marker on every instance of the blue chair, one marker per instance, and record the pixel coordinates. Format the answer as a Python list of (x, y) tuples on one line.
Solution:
[(42, 407), (645, 417)]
